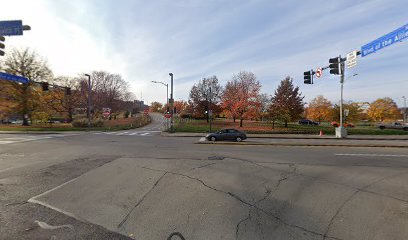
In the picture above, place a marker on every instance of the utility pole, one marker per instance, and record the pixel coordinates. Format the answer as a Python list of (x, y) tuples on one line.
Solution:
[(89, 100)]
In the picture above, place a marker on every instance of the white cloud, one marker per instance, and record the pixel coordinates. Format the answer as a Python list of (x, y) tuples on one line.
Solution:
[(144, 41)]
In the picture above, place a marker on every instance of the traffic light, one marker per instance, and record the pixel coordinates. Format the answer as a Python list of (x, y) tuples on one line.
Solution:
[(168, 110), (308, 77), (2, 46), (67, 91), (206, 109), (335, 65), (44, 86)]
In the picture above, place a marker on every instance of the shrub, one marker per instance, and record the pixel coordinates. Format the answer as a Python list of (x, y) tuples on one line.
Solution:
[(97, 123), (127, 113), (185, 115), (80, 122), (83, 123)]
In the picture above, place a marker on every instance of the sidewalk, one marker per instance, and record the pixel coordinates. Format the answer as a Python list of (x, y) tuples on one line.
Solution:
[(299, 136)]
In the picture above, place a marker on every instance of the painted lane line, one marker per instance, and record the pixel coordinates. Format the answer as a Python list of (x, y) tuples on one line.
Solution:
[(144, 134), (370, 155)]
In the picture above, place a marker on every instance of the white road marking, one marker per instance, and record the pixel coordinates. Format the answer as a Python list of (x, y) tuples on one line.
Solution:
[(32, 138), (132, 134), (370, 155), (144, 134), (34, 200)]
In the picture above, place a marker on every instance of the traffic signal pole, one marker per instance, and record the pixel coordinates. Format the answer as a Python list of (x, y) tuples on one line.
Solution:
[(341, 100)]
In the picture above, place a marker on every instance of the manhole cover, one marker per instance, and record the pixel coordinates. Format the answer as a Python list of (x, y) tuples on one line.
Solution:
[(216, 158)]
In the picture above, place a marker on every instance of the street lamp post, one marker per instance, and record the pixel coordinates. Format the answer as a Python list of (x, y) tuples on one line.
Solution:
[(167, 86), (405, 109), (341, 101), (167, 98), (171, 102), (209, 109), (89, 100)]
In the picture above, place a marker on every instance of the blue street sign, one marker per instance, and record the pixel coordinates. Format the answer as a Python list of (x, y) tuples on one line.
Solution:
[(385, 41), (10, 77), (9, 28)]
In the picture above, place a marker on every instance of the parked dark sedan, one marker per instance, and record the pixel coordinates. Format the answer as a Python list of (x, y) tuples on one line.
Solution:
[(227, 134), (308, 122)]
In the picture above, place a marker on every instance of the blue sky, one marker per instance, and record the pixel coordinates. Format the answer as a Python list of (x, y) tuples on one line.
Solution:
[(145, 40)]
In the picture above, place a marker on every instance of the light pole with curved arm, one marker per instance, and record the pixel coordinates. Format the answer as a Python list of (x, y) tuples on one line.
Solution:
[(167, 86)]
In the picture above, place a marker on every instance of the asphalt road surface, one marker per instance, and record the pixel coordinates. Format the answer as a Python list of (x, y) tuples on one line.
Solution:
[(133, 185)]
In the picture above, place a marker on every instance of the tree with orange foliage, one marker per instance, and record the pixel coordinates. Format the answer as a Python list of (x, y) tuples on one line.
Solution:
[(180, 106), (319, 109), (383, 109), (240, 98), (29, 64)]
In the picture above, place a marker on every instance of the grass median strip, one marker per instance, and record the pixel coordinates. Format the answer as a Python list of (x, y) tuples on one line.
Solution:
[(264, 127)]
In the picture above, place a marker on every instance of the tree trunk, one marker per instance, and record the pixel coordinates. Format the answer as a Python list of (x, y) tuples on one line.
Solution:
[(240, 122), (70, 115), (286, 123), (234, 118), (273, 124)]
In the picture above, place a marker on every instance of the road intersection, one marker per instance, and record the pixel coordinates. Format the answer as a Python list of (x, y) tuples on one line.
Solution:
[(110, 186)]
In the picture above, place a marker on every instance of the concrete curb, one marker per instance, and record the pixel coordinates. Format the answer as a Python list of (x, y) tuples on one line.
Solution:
[(303, 144)]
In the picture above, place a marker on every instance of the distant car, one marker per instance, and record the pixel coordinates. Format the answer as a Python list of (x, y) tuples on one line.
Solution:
[(308, 122), (346, 125), (227, 134), (394, 125)]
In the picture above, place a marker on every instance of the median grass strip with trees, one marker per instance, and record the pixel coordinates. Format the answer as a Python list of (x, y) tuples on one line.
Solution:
[(266, 127), (103, 125)]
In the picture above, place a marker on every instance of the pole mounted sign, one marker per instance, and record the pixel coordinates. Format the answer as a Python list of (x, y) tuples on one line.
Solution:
[(11, 28), (319, 72), (393, 37), (351, 59), (14, 78)]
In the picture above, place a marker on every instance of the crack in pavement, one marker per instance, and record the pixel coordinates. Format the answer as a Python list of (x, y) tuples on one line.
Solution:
[(16, 204), (141, 200), (351, 197), (203, 166), (295, 173), (236, 197), (283, 178), (240, 222)]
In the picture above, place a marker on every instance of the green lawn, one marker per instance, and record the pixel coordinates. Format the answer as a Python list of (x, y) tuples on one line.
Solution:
[(201, 126)]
